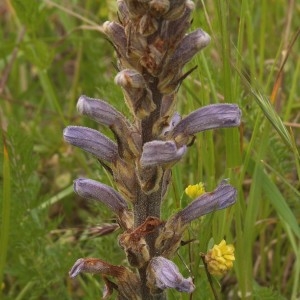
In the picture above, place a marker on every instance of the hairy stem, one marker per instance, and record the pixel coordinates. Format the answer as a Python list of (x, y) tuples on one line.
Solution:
[(149, 205)]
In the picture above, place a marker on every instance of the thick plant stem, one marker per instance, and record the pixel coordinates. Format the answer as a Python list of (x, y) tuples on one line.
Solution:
[(149, 205), (146, 295), (146, 205)]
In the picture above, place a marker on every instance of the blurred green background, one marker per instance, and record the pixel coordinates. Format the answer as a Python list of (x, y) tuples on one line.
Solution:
[(51, 52)]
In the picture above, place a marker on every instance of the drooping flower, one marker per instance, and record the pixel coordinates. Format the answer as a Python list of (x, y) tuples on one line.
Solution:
[(220, 258), (163, 273), (195, 190)]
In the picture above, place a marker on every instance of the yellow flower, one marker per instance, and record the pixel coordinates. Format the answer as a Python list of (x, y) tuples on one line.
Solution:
[(220, 258), (196, 190)]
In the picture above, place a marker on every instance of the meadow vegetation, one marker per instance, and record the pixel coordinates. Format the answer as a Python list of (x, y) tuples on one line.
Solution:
[(53, 52)]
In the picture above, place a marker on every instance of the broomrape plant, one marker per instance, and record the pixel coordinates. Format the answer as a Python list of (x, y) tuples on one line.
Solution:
[(152, 48)]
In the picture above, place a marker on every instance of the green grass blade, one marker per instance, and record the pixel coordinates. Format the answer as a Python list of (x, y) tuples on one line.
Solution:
[(279, 203), (5, 215), (272, 116)]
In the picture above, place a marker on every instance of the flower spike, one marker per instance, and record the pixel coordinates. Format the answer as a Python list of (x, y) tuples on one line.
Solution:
[(152, 48)]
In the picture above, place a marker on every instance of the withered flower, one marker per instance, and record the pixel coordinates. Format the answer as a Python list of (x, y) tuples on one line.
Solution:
[(163, 273)]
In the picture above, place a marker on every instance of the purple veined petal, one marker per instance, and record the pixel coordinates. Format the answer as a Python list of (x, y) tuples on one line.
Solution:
[(209, 117), (94, 190), (156, 153), (91, 141), (223, 196), (99, 110), (163, 273)]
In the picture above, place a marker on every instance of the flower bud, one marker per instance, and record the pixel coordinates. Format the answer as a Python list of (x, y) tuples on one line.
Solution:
[(191, 44), (147, 25), (123, 12), (138, 97), (116, 34), (163, 273), (91, 189), (177, 9), (137, 8), (91, 141), (174, 30), (130, 79), (159, 7)]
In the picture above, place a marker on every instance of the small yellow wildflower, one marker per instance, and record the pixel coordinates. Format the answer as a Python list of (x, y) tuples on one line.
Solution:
[(220, 258), (196, 190)]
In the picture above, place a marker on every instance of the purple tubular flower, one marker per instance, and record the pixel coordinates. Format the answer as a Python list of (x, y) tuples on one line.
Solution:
[(223, 196), (105, 114), (157, 153), (191, 44), (163, 273), (116, 34), (91, 141), (91, 189), (209, 117), (98, 110)]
